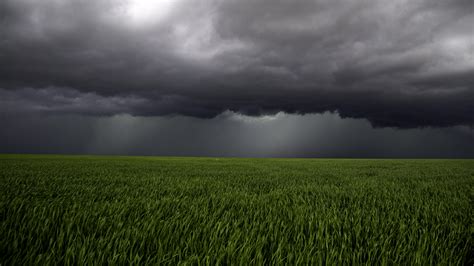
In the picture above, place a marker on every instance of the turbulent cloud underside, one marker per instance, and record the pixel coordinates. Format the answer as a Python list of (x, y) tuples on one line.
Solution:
[(395, 63)]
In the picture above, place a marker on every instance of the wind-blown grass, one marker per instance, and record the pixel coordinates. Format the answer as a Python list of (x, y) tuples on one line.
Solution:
[(96, 210)]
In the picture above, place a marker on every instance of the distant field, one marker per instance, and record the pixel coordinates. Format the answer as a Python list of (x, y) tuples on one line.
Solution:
[(96, 210)]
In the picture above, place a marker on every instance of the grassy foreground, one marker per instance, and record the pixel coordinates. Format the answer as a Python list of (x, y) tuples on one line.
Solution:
[(96, 210)]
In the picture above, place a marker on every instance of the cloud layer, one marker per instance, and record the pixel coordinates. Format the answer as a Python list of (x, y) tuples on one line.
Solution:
[(396, 63)]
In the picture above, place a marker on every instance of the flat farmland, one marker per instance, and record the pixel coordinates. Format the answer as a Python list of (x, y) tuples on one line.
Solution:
[(171, 210)]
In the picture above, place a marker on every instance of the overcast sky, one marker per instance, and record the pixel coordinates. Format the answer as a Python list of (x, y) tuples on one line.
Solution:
[(343, 78)]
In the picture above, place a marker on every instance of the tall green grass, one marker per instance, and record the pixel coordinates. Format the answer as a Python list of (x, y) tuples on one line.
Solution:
[(151, 210)]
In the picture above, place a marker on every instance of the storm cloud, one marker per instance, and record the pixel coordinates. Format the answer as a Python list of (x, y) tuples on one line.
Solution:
[(403, 64)]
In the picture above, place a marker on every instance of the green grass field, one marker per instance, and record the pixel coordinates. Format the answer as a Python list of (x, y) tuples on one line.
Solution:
[(96, 210)]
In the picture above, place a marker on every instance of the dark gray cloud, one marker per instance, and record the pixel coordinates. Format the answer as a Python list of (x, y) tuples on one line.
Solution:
[(396, 63)]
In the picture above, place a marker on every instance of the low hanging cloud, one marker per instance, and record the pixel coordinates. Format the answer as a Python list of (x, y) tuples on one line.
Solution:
[(396, 63)]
